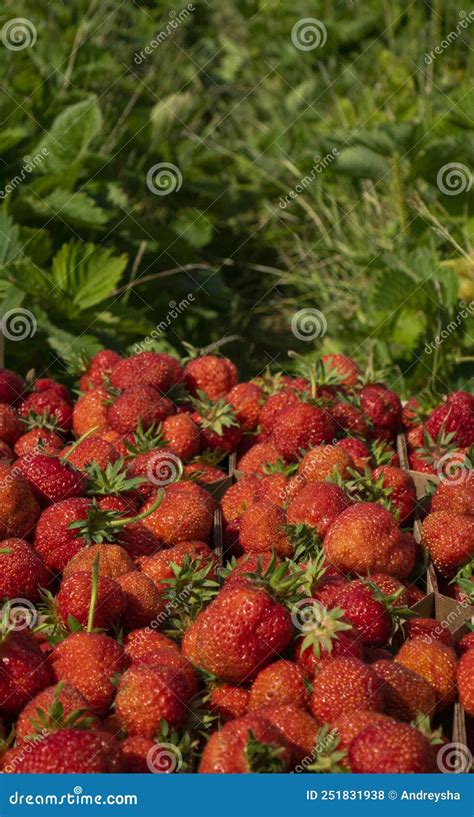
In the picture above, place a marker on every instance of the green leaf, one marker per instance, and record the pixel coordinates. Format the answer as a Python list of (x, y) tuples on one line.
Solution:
[(70, 135), (362, 163), (11, 136), (8, 238), (77, 208), (86, 273)]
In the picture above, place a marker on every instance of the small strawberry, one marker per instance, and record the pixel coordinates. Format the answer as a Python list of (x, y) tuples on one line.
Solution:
[(99, 369), (449, 538), (213, 375), (342, 686), (228, 701), (403, 491), (147, 695), (345, 368), (258, 457), (407, 694), (366, 612), (22, 572), (11, 427), (300, 428), (330, 637), (156, 369), (350, 419), (71, 751), (186, 513), (390, 748), (275, 406), (246, 745), (90, 412), (429, 629), (159, 566), (220, 429), (246, 400), (357, 449), (454, 495), (203, 473), (138, 404), (383, 408), (435, 662), (49, 402), (182, 436), (347, 727), (19, 510), (50, 478), (12, 386), (114, 561), (278, 684), (262, 529), (317, 504)]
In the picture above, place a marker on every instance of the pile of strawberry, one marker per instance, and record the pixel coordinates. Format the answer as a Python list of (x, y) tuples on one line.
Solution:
[(440, 439), (128, 643)]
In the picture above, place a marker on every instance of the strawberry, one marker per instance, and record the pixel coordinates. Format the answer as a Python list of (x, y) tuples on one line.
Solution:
[(317, 504), (449, 538), (89, 661), (203, 473), (158, 567), (56, 707), (455, 416), (114, 561), (274, 488), (172, 659), (246, 745), (300, 428), (182, 436), (51, 403), (50, 478), (402, 489), (220, 429), (23, 670), (12, 386), (455, 495), (252, 562), (47, 384), (365, 538), (357, 449), (275, 406), (366, 613), (347, 727), (350, 419), (383, 408), (331, 637), (99, 369), (142, 642), (38, 440), (262, 529), (429, 628), (186, 513), (258, 457), (138, 404), (72, 751), (74, 599), (238, 633), (407, 694), (296, 725), (435, 662), (228, 701), (136, 752), (342, 686), (156, 467), (90, 412), (389, 586), (465, 675), (344, 367), (93, 449), (246, 399), (465, 643), (11, 427), (143, 602), (148, 694), (321, 462), (22, 572), (156, 369), (278, 684), (390, 748), (215, 376), (55, 541), (19, 510), (6, 453)]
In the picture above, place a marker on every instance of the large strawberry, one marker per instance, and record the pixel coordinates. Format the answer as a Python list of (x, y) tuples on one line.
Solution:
[(138, 405), (181, 435), (50, 478), (48, 402), (156, 369), (19, 510), (186, 513), (213, 375), (323, 461), (449, 538), (22, 572), (246, 745), (465, 681), (383, 408), (318, 505), (298, 728), (407, 694), (38, 439), (455, 416), (434, 661), (280, 683), (298, 429), (71, 751), (262, 529), (275, 405), (258, 458), (390, 748), (148, 694), (342, 686), (56, 707)]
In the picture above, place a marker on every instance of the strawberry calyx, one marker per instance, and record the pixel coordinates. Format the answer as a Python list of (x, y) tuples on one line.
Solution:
[(269, 383), (305, 539), (324, 627), (381, 452), (188, 591), (263, 758), (112, 480), (179, 743), (140, 441), (53, 718), (104, 525), (363, 487), (423, 724), (215, 416), (44, 420), (327, 755), (280, 467), (284, 581)]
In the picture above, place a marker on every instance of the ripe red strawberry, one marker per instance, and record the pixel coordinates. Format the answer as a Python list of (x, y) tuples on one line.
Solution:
[(47, 384), (391, 748), (366, 613), (220, 429), (55, 542), (455, 416), (99, 369), (19, 510), (89, 662), (215, 376), (74, 599), (136, 752), (186, 513), (275, 488), (357, 449), (465, 676), (56, 707), (6, 453), (146, 641), (407, 694), (455, 495), (22, 572), (238, 633), (23, 671), (114, 561), (138, 404), (156, 369), (365, 538), (329, 639), (349, 418), (403, 490), (342, 686), (11, 427), (143, 601), (252, 562), (449, 538), (300, 428), (203, 473), (390, 586), (228, 701), (346, 368), (90, 411), (275, 406), (323, 461), (182, 436), (383, 408), (172, 659), (156, 467), (280, 683), (50, 478), (71, 751), (51, 403), (297, 727), (93, 449), (147, 695), (349, 726), (429, 628), (262, 529), (317, 504), (38, 440), (435, 662), (248, 744), (258, 457), (158, 566), (12, 386), (246, 400)]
